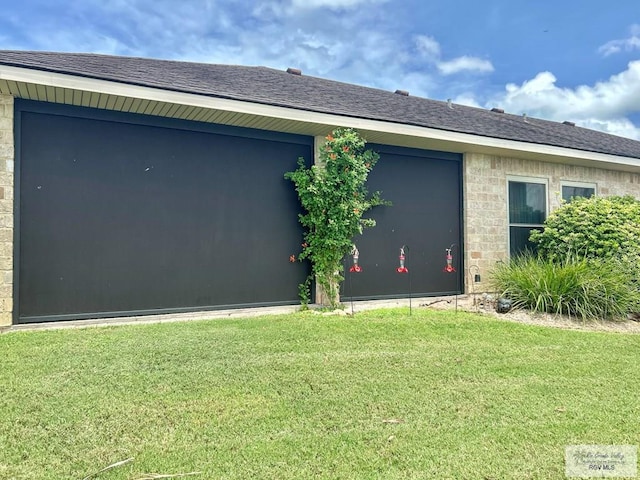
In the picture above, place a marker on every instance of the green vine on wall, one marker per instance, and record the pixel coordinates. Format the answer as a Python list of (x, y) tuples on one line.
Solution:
[(334, 198)]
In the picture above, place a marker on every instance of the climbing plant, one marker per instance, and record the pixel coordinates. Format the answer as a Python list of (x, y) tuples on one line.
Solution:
[(334, 199)]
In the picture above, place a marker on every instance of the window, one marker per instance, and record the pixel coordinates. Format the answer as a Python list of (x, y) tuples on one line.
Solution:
[(574, 189), (527, 211)]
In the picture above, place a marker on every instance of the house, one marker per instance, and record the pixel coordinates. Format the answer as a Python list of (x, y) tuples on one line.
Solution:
[(141, 186)]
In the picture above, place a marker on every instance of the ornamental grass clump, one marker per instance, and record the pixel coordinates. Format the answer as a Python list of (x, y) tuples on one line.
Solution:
[(334, 198), (582, 287)]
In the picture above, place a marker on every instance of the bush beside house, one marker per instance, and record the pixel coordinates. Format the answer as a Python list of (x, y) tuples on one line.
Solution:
[(592, 227)]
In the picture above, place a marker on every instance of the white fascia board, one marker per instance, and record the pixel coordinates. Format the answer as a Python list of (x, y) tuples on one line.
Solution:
[(463, 142)]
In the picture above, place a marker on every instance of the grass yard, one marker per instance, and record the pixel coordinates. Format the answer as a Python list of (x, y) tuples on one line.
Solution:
[(435, 395)]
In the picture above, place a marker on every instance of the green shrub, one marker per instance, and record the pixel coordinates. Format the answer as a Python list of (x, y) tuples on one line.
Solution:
[(577, 286), (595, 227)]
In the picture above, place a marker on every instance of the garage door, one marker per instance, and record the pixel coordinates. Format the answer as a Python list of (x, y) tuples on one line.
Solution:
[(124, 214)]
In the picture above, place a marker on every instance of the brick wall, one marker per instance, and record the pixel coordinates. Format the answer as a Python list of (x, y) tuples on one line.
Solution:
[(485, 212), (6, 209)]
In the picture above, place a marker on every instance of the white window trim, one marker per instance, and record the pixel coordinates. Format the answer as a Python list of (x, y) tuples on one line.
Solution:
[(516, 178)]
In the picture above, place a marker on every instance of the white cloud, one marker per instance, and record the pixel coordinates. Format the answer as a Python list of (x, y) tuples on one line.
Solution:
[(331, 4), (622, 127), (428, 47), (289, 8), (626, 44), (467, 99), (604, 106), (465, 64)]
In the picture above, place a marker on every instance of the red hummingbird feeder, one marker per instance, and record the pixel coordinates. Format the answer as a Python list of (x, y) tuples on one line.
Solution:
[(355, 268), (449, 267), (402, 268)]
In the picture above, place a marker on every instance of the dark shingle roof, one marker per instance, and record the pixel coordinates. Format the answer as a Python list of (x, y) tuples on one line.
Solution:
[(275, 87)]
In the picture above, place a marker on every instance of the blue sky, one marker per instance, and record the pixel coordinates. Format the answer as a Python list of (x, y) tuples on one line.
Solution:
[(575, 60)]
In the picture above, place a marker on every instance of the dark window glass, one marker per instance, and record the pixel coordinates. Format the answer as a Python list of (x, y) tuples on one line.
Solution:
[(569, 192), (527, 203), (519, 240), (527, 211)]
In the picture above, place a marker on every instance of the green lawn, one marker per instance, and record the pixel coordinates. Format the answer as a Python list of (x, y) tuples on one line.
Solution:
[(386, 395)]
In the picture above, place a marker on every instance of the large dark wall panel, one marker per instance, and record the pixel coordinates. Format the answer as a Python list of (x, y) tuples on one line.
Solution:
[(425, 188), (123, 215)]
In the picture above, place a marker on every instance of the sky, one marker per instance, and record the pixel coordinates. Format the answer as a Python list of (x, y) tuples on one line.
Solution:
[(576, 60)]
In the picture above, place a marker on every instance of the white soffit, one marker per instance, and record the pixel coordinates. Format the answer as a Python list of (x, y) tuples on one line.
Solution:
[(70, 89)]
